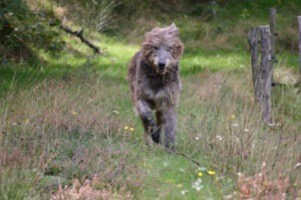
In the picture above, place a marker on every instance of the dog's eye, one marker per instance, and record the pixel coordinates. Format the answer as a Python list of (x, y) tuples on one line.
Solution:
[(156, 48)]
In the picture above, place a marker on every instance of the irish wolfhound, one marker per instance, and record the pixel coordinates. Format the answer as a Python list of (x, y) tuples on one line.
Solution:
[(154, 81)]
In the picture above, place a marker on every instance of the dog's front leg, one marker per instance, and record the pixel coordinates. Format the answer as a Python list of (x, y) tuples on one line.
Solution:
[(170, 125), (149, 124)]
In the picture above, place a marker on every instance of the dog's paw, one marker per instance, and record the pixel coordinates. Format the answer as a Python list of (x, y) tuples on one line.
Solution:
[(155, 134), (156, 137)]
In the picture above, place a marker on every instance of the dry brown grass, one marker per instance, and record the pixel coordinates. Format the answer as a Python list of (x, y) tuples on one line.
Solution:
[(70, 130), (223, 121), (262, 187), (75, 129), (90, 190)]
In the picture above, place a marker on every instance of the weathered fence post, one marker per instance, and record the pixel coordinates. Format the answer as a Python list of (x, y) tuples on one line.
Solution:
[(299, 22), (266, 74), (273, 32), (253, 44)]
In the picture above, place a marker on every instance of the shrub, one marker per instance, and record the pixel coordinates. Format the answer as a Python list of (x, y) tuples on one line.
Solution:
[(24, 29)]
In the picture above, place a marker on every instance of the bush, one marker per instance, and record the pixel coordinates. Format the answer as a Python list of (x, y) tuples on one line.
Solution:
[(99, 15), (24, 29)]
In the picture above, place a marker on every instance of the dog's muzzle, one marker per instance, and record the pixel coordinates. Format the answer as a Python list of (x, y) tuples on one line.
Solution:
[(161, 66)]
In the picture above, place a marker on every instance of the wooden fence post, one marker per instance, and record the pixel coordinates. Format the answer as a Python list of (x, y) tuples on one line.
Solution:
[(266, 74), (273, 32), (253, 44), (299, 22)]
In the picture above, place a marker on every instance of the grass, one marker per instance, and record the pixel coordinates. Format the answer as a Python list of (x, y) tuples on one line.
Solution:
[(55, 136), (71, 127), (63, 135)]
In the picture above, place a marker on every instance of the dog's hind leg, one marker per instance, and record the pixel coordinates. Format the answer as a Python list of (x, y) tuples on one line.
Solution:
[(149, 124)]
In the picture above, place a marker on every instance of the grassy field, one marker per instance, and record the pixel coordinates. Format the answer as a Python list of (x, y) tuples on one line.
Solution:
[(68, 129)]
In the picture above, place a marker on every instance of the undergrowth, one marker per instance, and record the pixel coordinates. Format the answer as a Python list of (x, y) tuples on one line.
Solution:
[(84, 132)]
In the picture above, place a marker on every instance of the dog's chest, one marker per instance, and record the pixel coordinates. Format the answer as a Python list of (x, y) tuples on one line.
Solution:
[(157, 84), (159, 92), (157, 88)]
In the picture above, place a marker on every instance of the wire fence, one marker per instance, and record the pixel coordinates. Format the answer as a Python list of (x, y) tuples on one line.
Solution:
[(262, 41)]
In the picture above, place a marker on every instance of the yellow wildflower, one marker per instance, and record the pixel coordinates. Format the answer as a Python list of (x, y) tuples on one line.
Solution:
[(126, 128), (233, 116), (211, 172), (27, 121), (200, 174), (74, 113), (132, 129)]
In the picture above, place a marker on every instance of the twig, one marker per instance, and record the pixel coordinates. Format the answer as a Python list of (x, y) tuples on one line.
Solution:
[(189, 158), (185, 156), (80, 35)]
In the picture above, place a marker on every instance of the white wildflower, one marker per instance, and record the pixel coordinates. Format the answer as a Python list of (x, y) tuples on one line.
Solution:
[(183, 192), (202, 168), (197, 184), (182, 170), (298, 165), (218, 137), (234, 125)]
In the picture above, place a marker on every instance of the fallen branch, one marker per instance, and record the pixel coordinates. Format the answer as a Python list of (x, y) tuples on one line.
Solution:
[(80, 35), (185, 156)]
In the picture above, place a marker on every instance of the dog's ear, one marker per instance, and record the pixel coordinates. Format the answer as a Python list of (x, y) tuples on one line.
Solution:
[(153, 32), (147, 34), (173, 30), (173, 26)]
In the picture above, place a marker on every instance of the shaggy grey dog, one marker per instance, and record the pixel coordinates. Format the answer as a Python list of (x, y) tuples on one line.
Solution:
[(154, 81)]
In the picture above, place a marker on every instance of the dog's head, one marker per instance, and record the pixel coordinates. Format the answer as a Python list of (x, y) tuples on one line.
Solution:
[(162, 48)]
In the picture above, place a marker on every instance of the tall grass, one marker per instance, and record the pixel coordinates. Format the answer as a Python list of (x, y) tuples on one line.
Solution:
[(72, 130), (221, 123), (65, 131), (68, 130)]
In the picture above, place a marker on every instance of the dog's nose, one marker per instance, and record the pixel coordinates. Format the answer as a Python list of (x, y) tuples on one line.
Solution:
[(161, 65)]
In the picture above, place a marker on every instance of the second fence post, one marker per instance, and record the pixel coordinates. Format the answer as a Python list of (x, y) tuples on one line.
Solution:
[(253, 43), (266, 74), (299, 22), (273, 32)]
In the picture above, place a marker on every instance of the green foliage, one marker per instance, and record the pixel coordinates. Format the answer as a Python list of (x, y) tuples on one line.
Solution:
[(18, 184), (23, 28), (98, 15)]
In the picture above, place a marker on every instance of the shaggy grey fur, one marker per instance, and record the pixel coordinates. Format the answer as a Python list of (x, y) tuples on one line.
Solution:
[(154, 81)]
